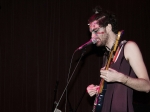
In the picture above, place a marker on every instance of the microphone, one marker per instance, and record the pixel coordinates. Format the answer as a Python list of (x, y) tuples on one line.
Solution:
[(92, 41)]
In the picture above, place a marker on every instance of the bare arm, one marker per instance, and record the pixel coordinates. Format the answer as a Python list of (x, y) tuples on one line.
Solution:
[(134, 56)]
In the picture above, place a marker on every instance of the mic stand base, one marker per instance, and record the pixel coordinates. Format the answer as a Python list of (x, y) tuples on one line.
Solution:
[(57, 110)]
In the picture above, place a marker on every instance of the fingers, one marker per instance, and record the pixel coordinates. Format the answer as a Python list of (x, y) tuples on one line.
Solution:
[(92, 90), (109, 75), (110, 69), (103, 68), (92, 93), (104, 74), (104, 77)]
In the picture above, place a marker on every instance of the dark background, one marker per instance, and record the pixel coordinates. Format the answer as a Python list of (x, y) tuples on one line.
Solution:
[(37, 40)]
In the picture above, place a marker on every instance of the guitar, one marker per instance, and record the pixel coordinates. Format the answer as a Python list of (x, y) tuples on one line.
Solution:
[(98, 102)]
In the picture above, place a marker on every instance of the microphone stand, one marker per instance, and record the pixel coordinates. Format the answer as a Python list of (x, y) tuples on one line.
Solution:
[(57, 103), (55, 93)]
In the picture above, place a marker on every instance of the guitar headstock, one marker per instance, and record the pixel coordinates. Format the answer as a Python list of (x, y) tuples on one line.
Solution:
[(117, 39)]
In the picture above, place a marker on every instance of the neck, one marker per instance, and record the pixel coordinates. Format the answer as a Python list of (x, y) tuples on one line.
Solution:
[(111, 41)]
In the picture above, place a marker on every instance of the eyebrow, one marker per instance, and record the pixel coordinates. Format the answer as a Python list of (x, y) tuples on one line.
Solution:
[(95, 29)]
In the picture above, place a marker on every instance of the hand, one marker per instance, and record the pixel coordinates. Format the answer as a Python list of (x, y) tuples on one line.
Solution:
[(110, 75), (92, 89)]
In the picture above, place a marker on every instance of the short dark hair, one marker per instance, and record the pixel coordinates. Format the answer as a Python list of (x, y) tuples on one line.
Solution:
[(104, 18)]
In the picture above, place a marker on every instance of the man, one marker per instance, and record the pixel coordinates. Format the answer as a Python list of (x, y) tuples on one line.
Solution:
[(126, 73)]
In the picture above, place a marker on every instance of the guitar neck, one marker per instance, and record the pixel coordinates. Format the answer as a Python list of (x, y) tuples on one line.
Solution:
[(101, 86)]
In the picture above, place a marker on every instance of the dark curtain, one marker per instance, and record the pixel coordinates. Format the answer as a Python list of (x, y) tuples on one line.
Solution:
[(37, 41)]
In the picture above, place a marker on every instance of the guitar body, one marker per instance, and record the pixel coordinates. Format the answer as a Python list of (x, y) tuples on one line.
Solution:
[(98, 102)]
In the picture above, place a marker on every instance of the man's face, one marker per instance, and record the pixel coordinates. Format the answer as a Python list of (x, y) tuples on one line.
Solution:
[(98, 32)]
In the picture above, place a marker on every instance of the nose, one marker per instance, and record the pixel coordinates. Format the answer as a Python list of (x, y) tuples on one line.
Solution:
[(93, 35)]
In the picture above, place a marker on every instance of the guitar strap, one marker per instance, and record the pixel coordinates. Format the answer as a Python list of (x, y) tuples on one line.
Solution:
[(118, 50)]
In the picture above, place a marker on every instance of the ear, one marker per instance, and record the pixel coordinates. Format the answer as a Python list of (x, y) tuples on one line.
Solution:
[(108, 28)]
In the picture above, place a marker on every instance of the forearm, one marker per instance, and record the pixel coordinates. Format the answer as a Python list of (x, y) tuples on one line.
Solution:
[(138, 84)]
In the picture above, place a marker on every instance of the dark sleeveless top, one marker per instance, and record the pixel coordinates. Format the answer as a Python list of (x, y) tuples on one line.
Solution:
[(118, 97)]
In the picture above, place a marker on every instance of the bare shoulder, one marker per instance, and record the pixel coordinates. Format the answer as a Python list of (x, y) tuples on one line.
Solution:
[(131, 49), (131, 44), (133, 54)]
